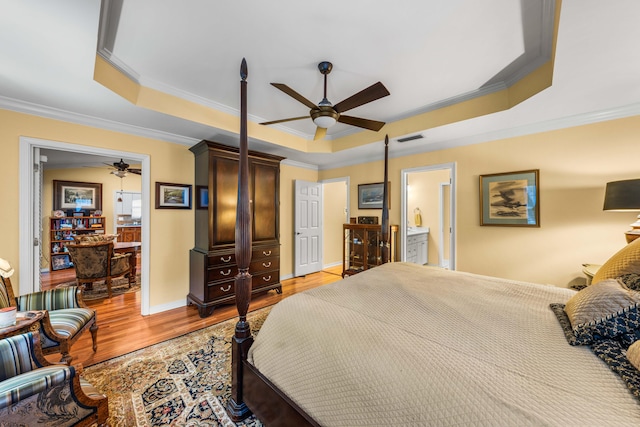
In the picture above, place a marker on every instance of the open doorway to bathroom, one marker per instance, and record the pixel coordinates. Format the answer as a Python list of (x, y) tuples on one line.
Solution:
[(428, 215)]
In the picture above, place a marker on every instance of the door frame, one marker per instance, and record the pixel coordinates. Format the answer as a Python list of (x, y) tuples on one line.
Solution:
[(347, 213), (404, 212), (26, 215)]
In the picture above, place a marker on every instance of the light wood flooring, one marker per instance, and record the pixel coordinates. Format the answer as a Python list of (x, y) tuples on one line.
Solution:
[(122, 329)]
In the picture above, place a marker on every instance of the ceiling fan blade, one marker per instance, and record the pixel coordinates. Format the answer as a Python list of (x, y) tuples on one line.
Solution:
[(361, 123), (292, 93), (135, 171), (284, 120), (320, 133), (373, 92)]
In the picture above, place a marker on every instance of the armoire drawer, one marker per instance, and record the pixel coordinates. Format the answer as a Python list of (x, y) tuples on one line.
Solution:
[(221, 272), (265, 252), (220, 290), (265, 264), (263, 279), (221, 259)]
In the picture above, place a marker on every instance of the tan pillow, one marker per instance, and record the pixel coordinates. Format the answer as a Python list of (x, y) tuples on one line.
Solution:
[(626, 260), (633, 354)]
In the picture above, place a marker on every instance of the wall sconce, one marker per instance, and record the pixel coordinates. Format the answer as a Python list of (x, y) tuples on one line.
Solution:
[(624, 196)]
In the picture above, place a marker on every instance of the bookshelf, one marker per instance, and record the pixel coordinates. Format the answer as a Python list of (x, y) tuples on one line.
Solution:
[(63, 230)]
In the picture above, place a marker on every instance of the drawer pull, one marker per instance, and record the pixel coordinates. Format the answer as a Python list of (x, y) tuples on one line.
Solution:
[(266, 264), (227, 273), (266, 253), (225, 290), (225, 260), (265, 278)]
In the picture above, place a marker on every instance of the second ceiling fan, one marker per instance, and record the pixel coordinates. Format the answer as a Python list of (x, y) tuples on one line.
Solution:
[(325, 115)]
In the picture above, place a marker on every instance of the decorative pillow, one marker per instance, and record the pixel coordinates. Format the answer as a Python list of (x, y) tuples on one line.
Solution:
[(630, 280), (633, 354), (604, 310), (626, 260), (612, 353)]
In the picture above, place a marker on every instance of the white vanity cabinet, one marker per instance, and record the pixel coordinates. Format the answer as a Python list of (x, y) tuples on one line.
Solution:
[(417, 245)]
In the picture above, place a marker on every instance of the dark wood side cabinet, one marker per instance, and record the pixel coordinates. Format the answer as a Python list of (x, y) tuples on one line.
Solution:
[(212, 260), (362, 250)]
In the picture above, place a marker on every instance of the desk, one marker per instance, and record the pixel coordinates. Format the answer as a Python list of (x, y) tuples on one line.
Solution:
[(129, 248), (24, 324)]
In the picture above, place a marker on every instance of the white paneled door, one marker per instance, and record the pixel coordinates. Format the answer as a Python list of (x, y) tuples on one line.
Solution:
[(308, 228)]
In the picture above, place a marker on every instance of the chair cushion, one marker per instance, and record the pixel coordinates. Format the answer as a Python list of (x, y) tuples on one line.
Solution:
[(120, 264), (69, 322), (20, 387)]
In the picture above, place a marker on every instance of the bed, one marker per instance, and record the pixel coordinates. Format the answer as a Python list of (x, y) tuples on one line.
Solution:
[(403, 344)]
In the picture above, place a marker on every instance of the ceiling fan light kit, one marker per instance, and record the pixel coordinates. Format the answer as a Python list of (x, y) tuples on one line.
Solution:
[(325, 115)]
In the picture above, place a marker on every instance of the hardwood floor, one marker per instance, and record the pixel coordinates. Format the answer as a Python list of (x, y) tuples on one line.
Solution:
[(123, 329)]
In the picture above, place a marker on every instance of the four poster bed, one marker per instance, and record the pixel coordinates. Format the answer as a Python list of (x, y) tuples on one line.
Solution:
[(403, 344)]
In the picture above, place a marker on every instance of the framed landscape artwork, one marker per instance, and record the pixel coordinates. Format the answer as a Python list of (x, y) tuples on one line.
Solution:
[(173, 196), (79, 196), (370, 195), (510, 199)]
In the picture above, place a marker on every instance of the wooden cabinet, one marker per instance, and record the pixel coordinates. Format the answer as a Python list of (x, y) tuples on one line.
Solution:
[(129, 234), (362, 248), (62, 230), (212, 261)]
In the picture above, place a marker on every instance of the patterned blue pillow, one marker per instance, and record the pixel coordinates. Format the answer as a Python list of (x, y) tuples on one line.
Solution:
[(603, 310), (613, 354)]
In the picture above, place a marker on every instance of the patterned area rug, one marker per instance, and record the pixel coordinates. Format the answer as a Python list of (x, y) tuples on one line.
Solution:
[(185, 381), (119, 286)]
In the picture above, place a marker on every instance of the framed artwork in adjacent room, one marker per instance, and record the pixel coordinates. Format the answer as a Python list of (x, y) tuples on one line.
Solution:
[(510, 199), (78, 196)]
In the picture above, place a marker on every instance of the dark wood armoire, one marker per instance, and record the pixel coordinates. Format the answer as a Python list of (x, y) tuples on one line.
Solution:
[(212, 260)]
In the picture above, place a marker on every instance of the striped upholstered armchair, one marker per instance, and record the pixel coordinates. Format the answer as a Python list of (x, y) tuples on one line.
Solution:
[(36, 392), (68, 316)]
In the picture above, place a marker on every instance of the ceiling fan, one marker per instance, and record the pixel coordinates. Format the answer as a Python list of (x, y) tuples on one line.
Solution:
[(325, 114), (121, 169)]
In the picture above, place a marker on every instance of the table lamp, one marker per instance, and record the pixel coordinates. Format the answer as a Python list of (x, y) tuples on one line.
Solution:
[(624, 196)]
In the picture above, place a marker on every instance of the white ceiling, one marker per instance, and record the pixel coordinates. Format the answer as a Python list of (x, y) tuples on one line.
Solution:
[(428, 53)]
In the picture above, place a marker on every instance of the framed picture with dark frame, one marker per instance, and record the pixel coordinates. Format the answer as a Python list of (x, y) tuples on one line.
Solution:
[(173, 196), (77, 196), (60, 262), (370, 195), (510, 199), (202, 195)]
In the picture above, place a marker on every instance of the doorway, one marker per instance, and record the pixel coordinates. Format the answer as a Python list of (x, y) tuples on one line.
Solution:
[(428, 215), (30, 176)]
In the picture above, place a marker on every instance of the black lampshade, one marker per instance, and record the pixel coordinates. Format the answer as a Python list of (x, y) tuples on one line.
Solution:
[(622, 195)]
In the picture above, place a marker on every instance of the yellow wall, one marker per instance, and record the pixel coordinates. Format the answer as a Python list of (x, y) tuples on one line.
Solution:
[(171, 234), (574, 163)]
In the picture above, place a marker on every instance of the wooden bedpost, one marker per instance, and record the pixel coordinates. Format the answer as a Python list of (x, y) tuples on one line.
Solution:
[(385, 205), (242, 339)]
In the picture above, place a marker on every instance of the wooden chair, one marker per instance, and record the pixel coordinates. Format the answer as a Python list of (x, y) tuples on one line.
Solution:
[(34, 391), (68, 316), (95, 261)]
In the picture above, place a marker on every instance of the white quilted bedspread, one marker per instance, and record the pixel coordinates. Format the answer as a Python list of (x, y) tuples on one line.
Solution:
[(408, 345)]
